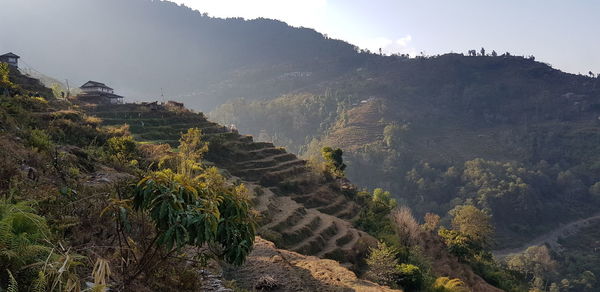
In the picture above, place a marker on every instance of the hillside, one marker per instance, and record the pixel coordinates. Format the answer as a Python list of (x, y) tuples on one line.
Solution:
[(61, 169), (417, 127), (301, 210)]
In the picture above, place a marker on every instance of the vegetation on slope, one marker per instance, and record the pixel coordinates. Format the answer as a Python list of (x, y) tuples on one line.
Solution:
[(72, 216), (505, 133)]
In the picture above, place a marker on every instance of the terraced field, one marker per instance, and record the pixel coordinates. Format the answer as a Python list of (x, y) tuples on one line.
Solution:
[(301, 210)]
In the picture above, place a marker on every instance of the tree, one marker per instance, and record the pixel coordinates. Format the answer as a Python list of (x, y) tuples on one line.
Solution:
[(382, 262), (535, 262), (392, 134), (432, 221), (191, 151), (334, 161), (385, 269), (197, 211), (193, 206), (5, 84), (406, 226), (473, 223), (458, 244)]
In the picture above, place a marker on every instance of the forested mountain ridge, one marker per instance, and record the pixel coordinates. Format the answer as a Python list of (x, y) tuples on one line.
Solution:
[(148, 45), (419, 126)]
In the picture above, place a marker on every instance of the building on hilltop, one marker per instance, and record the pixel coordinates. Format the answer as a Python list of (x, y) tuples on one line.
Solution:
[(11, 59), (97, 92), (174, 104)]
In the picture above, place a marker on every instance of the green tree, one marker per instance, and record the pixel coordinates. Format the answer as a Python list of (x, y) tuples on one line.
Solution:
[(535, 262), (383, 268), (191, 151), (5, 83), (334, 161), (473, 223), (198, 211), (382, 263), (392, 134), (196, 206)]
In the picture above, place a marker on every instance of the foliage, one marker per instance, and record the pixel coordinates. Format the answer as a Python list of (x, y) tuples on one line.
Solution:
[(191, 150), (374, 216), (393, 134), (385, 269), (535, 262), (40, 140), (407, 228), (473, 223), (25, 253), (382, 263), (458, 244), (445, 284), (432, 221), (409, 277), (334, 161), (123, 148), (197, 211)]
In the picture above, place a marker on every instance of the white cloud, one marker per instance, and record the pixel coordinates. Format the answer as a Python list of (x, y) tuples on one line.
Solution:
[(389, 46)]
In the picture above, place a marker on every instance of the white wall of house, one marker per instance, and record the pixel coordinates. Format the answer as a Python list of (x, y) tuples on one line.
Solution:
[(97, 89)]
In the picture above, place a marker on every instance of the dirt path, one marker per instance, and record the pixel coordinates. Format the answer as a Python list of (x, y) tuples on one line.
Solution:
[(551, 238)]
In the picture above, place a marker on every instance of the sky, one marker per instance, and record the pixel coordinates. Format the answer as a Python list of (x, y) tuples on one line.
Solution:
[(563, 33)]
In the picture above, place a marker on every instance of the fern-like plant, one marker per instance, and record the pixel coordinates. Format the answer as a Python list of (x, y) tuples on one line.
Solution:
[(445, 284), (22, 236)]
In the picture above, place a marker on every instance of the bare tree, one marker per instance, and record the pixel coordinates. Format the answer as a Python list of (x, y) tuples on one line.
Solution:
[(406, 226)]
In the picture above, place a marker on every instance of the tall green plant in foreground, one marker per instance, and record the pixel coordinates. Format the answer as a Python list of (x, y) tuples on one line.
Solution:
[(27, 260), (195, 205), (22, 236)]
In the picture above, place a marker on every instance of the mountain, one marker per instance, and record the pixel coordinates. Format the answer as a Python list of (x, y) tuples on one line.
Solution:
[(507, 133), (143, 46)]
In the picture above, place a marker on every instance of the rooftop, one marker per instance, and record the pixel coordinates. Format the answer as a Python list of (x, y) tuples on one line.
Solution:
[(10, 55)]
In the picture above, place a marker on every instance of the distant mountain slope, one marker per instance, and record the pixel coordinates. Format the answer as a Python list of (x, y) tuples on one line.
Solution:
[(506, 133), (141, 46)]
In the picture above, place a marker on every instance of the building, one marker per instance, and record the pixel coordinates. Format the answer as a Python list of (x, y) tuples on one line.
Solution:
[(98, 92), (11, 59), (174, 104)]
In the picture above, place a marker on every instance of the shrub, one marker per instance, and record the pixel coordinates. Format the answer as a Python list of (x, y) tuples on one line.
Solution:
[(445, 284), (409, 277), (122, 148), (266, 283), (197, 211), (382, 264), (39, 140)]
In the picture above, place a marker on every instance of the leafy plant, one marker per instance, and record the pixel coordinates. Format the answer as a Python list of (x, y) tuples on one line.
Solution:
[(197, 211), (445, 284), (334, 161)]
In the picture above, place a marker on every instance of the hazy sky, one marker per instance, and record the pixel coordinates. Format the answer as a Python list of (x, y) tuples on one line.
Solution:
[(564, 33)]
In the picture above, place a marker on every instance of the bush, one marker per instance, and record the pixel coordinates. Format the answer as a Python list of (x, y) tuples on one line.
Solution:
[(266, 283), (122, 148), (445, 284), (384, 269), (408, 277), (198, 211), (39, 140)]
